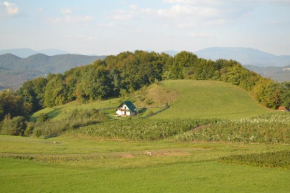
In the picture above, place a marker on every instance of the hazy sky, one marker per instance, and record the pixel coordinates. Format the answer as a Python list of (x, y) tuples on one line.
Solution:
[(112, 26)]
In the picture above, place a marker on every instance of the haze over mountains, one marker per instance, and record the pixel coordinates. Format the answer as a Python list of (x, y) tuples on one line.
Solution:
[(19, 65), (15, 70), (246, 56), (26, 52)]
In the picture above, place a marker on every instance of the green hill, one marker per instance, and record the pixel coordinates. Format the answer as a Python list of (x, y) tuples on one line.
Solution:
[(210, 99), (187, 98)]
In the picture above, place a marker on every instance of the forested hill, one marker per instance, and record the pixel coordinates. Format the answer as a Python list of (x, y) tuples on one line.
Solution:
[(15, 70), (127, 72)]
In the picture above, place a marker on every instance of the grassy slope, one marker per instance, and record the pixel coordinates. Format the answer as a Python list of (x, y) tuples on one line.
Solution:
[(105, 169), (210, 99), (61, 112)]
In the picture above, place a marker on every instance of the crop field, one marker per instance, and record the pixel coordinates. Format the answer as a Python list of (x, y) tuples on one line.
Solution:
[(271, 128), (71, 164), (141, 129)]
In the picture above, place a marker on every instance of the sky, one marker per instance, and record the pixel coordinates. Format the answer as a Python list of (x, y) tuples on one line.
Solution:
[(109, 27)]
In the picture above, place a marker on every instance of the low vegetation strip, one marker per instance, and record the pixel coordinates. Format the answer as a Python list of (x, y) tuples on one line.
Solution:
[(142, 129), (272, 128), (279, 159)]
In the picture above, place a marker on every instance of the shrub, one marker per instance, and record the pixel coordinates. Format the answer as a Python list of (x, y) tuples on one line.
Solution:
[(29, 129), (42, 118), (76, 119), (37, 132), (14, 126)]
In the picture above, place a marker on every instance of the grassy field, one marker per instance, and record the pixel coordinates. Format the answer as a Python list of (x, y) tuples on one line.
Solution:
[(210, 99), (96, 165)]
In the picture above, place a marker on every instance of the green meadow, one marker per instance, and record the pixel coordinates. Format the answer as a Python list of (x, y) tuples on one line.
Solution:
[(96, 165), (210, 99)]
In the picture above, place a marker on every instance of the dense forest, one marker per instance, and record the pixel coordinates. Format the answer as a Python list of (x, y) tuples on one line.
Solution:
[(127, 72)]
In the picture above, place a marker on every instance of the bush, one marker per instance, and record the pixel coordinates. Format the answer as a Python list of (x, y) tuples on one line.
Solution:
[(14, 126), (37, 132), (76, 119), (42, 118), (29, 129)]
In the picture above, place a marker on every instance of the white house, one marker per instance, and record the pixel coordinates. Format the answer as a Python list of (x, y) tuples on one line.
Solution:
[(126, 109)]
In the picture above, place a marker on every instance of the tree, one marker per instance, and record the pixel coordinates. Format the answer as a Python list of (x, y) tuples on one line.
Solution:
[(13, 104), (55, 92), (32, 92), (285, 96), (94, 84), (268, 93), (182, 61)]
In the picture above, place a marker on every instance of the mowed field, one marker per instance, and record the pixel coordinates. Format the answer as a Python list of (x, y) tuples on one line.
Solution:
[(210, 99), (96, 165)]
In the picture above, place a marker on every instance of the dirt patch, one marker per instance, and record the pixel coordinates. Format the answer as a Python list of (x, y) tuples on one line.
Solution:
[(166, 153), (175, 154), (128, 156)]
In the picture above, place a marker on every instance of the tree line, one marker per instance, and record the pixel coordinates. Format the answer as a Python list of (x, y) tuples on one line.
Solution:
[(128, 72)]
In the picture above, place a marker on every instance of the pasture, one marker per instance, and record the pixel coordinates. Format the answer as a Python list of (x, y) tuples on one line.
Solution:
[(97, 165)]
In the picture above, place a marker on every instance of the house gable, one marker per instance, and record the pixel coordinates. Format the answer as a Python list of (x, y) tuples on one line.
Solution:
[(129, 105), (126, 109)]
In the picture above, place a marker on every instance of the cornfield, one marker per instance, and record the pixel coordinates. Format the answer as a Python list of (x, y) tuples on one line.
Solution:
[(272, 128)]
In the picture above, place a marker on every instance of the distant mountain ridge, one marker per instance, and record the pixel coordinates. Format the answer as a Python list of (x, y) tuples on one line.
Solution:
[(279, 74), (26, 52), (246, 56), (15, 70)]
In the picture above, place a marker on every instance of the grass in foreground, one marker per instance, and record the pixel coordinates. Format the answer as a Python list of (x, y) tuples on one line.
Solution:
[(97, 165)]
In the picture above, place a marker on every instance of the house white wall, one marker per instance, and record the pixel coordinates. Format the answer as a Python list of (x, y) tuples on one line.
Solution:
[(122, 113)]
